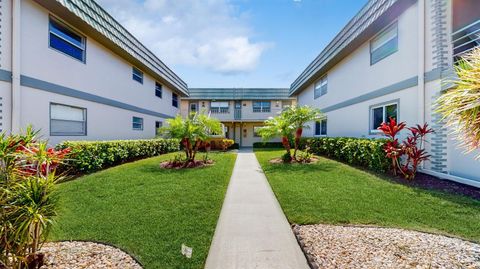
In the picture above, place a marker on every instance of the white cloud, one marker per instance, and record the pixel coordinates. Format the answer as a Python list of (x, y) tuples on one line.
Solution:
[(211, 34)]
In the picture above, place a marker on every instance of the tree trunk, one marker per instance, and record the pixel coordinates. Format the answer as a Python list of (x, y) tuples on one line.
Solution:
[(298, 135), (286, 143)]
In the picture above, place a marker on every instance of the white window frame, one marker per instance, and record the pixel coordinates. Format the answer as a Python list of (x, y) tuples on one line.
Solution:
[(371, 128), (66, 133), (158, 89), (139, 75), (320, 87), (262, 108), (319, 121), (160, 124), (220, 107), (82, 46), (141, 122), (394, 27)]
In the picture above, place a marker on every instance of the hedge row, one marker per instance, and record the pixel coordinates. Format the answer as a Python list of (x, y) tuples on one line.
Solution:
[(90, 156), (267, 145), (367, 153)]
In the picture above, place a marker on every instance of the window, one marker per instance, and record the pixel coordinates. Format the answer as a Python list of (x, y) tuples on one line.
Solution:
[(137, 123), (65, 40), (255, 131), (174, 99), (261, 106), (384, 44), (321, 127), (137, 75), (381, 113), (158, 90), (320, 87), (158, 125), (219, 107), (67, 120), (193, 107)]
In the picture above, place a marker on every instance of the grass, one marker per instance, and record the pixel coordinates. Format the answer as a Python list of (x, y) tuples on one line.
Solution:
[(335, 193), (147, 211)]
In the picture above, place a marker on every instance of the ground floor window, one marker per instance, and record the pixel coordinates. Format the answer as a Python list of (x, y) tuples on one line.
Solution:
[(382, 113), (137, 123), (321, 127), (158, 125), (67, 120)]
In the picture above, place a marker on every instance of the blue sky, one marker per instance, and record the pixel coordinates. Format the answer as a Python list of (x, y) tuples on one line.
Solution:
[(237, 43)]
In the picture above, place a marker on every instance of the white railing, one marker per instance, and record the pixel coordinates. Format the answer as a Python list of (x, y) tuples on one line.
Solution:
[(466, 39)]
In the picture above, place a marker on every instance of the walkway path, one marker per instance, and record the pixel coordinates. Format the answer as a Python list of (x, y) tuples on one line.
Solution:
[(252, 231)]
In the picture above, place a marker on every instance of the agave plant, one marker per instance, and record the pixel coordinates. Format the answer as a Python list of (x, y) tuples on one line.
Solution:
[(460, 105)]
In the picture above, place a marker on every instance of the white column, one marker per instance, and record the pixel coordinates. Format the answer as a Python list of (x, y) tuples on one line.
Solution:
[(421, 61)]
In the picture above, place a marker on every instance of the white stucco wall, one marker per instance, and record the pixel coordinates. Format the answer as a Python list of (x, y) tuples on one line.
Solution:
[(104, 74)]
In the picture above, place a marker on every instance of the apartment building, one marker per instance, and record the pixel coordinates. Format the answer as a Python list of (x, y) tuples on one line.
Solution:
[(72, 71), (390, 61), (242, 111)]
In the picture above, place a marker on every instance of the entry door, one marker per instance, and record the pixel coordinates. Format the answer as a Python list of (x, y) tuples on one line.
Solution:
[(193, 107)]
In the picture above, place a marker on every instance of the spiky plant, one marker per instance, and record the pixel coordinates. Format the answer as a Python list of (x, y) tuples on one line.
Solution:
[(278, 126), (460, 105)]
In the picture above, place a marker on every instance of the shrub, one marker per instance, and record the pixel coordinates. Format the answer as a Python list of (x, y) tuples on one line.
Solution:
[(367, 153), (90, 156), (27, 197), (268, 145), (287, 157)]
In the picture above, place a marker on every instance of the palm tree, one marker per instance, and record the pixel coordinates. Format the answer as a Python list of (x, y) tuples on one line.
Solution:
[(278, 126), (298, 116), (192, 131), (460, 105)]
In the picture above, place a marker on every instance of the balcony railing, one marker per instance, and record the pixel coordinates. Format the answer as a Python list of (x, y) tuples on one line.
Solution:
[(219, 110), (261, 109), (466, 39)]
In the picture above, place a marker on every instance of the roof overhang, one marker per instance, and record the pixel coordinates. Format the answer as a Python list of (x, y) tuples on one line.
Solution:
[(94, 21), (374, 16)]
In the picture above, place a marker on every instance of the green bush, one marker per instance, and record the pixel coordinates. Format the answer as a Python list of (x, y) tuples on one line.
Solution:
[(90, 156), (267, 145), (367, 153)]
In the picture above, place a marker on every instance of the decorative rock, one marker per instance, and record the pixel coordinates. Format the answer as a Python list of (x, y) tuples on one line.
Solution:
[(83, 255), (372, 247)]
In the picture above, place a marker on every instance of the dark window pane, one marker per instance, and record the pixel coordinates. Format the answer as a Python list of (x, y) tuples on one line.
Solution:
[(324, 127), (391, 112), (66, 34), (377, 117), (317, 128), (158, 90), (65, 47)]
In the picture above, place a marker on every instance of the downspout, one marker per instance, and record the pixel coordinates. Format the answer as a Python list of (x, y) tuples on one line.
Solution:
[(16, 61)]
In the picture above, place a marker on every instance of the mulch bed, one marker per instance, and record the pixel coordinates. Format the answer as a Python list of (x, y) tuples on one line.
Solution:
[(182, 165), (428, 182), (280, 161)]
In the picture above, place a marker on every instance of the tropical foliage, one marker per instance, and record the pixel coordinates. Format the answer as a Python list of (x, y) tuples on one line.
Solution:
[(27, 197), (411, 152), (288, 125), (460, 105), (192, 132)]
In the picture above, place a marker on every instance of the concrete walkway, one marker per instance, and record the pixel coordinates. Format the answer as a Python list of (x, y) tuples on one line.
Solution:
[(252, 231)]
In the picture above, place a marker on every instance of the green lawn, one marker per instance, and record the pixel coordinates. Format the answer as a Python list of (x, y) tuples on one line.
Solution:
[(146, 210), (335, 193)]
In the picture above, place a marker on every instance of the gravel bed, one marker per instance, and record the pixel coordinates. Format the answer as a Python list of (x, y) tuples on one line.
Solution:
[(83, 255), (329, 246)]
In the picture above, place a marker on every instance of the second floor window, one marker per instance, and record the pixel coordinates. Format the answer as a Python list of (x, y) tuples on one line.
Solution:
[(174, 99), (261, 106), (137, 75), (219, 107), (158, 90), (66, 40), (384, 44), (320, 87)]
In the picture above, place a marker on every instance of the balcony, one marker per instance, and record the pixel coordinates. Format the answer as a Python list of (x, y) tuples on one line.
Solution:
[(466, 39), (219, 110)]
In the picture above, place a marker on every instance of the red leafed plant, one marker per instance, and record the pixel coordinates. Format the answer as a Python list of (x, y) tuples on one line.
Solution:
[(406, 156)]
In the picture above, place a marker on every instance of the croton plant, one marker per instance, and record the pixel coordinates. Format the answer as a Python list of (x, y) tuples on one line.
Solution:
[(406, 156)]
